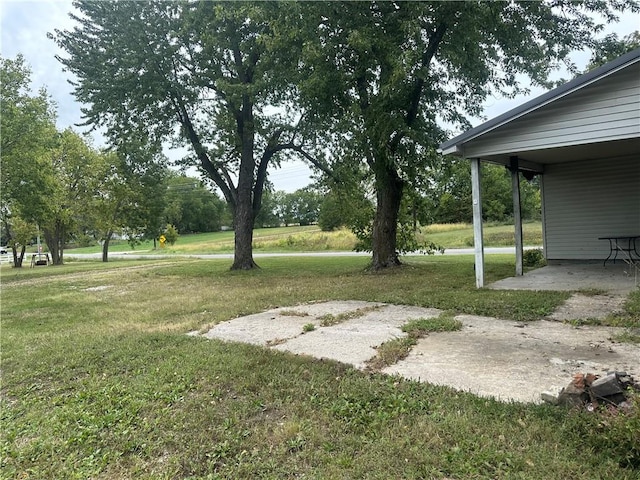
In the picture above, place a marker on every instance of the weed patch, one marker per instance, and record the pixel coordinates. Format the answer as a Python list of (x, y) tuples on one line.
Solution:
[(329, 319), (393, 351), (293, 313)]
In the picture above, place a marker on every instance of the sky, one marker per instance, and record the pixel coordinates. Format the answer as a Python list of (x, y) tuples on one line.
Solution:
[(24, 25)]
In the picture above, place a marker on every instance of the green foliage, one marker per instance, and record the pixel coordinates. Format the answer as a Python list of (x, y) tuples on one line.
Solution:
[(301, 207), (533, 258), (332, 213), (27, 123), (171, 234), (130, 196), (269, 214), (382, 76), (407, 239), (611, 47), (192, 207), (204, 75), (346, 204), (308, 327), (449, 195), (76, 171)]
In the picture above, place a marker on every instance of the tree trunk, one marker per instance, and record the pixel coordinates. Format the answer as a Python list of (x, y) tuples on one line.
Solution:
[(54, 239), (18, 259), (243, 241), (105, 247), (385, 226), (243, 212)]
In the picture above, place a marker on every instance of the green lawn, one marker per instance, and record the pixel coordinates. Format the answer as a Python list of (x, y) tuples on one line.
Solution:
[(461, 235), (100, 381), (213, 242), (311, 238)]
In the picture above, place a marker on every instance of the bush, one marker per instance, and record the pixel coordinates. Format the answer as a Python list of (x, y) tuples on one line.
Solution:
[(85, 241), (171, 234), (533, 258)]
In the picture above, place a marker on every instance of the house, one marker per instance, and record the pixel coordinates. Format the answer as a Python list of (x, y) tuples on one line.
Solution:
[(583, 139)]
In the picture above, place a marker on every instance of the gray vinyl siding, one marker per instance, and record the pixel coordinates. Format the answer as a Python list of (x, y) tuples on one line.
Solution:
[(587, 200), (606, 110)]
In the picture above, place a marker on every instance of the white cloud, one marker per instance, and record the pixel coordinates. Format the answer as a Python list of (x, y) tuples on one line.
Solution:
[(24, 27)]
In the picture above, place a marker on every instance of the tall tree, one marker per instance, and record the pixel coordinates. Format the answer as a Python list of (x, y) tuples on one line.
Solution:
[(27, 131), (388, 74), (199, 73), (129, 197), (76, 171)]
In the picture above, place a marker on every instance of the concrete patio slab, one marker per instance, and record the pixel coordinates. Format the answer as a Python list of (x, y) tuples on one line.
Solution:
[(617, 278), (367, 332)]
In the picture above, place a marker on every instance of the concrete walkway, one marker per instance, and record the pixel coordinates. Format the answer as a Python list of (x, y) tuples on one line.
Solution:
[(598, 290), (510, 361)]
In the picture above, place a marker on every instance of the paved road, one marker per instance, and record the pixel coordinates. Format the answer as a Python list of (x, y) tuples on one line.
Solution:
[(140, 255)]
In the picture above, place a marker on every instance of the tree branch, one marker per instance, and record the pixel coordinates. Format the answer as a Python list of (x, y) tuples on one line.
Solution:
[(222, 180), (418, 88)]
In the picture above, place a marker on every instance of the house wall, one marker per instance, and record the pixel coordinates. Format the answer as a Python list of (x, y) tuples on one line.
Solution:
[(606, 110), (586, 200)]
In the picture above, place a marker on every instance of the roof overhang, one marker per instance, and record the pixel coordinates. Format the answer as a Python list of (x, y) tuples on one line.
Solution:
[(455, 146)]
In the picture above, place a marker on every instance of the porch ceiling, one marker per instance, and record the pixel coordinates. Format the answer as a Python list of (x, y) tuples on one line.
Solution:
[(572, 153)]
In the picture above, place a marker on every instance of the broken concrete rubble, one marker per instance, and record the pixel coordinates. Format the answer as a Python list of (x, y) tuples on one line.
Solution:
[(590, 391)]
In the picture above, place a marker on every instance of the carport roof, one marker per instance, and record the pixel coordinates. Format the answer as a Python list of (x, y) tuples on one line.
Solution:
[(453, 146)]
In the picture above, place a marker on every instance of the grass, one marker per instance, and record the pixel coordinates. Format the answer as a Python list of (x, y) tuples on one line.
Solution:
[(393, 351), (312, 239), (100, 381), (329, 319), (460, 235)]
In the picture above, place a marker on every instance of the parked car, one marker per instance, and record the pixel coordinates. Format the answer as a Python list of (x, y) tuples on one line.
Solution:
[(3, 250)]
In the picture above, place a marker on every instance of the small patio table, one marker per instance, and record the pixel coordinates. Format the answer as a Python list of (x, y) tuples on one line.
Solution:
[(625, 243)]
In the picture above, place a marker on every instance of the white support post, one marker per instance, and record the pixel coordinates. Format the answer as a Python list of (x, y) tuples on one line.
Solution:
[(517, 214), (478, 241)]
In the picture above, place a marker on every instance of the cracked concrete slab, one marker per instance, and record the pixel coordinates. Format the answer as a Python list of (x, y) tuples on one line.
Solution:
[(507, 360), (354, 341), (514, 361), (583, 307)]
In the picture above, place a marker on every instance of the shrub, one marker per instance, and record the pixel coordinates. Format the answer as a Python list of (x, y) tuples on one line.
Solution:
[(171, 234), (533, 258)]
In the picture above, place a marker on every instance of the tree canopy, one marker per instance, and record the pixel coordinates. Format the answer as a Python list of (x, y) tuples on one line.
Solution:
[(374, 84), (129, 198), (200, 74), (386, 77), (192, 207), (27, 126)]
